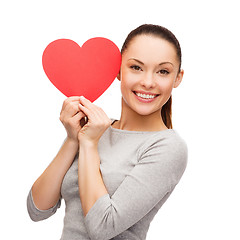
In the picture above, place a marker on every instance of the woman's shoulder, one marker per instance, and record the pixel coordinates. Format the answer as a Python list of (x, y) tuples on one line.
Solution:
[(165, 149), (167, 143), (168, 136)]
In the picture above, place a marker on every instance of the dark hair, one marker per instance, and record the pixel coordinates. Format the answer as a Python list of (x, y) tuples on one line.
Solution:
[(164, 33)]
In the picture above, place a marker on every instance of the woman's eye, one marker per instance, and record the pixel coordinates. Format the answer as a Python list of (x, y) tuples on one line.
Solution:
[(135, 67), (164, 72)]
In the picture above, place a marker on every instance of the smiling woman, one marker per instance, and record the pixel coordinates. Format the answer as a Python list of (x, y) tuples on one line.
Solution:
[(115, 175), (151, 68)]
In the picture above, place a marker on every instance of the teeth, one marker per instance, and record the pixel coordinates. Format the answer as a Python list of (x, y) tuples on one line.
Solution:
[(147, 96)]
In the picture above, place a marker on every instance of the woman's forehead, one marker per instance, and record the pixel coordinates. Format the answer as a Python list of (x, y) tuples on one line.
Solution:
[(148, 47)]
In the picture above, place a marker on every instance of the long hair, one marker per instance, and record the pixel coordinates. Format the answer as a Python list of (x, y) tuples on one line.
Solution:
[(164, 33)]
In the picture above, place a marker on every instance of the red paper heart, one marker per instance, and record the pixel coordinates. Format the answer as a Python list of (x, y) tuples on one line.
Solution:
[(88, 70)]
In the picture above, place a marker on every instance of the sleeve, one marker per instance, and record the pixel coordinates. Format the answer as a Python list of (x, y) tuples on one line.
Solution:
[(159, 169), (37, 214)]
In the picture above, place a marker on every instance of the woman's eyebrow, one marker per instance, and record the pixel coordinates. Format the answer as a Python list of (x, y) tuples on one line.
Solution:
[(165, 63), (136, 60), (143, 63)]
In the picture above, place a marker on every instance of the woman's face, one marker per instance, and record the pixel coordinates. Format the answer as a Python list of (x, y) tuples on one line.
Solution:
[(149, 72)]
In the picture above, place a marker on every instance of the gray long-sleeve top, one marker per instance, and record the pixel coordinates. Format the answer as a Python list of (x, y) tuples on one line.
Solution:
[(140, 171)]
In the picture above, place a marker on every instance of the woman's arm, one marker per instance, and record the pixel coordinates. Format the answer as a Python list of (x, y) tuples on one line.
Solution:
[(146, 186), (91, 186), (46, 189)]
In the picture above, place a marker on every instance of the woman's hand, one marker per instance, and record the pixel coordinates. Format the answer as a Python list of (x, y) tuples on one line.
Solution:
[(97, 123), (72, 117)]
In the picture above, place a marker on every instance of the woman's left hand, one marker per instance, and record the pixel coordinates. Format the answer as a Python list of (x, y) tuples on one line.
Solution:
[(97, 124)]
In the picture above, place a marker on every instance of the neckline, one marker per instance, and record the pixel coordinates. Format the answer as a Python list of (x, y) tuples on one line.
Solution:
[(138, 132)]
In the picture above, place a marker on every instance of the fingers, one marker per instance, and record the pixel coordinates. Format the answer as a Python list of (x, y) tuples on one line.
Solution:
[(77, 117), (86, 103), (80, 117), (70, 107), (69, 101), (88, 106), (93, 112)]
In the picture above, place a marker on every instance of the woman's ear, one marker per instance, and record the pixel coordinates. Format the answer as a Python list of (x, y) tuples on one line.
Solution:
[(178, 78)]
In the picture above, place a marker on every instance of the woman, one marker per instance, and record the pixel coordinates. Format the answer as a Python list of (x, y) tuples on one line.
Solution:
[(114, 175)]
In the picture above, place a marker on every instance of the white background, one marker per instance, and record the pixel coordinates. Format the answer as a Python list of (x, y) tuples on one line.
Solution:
[(205, 204)]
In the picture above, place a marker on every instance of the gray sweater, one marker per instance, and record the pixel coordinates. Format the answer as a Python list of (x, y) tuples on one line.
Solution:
[(140, 171)]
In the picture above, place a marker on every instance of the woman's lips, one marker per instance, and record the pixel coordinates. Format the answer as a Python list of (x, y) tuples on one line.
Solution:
[(145, 97)]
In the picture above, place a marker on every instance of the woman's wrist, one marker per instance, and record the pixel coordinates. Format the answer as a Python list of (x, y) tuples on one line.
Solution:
[(71, 141), (88, 144)]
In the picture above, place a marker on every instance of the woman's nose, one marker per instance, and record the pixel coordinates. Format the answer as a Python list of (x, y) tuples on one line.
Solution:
[(148, 80)]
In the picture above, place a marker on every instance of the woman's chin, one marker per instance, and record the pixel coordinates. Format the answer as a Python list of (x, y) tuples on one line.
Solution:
[(145, 112)]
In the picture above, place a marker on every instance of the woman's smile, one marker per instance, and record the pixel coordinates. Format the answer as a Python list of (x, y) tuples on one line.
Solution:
[(145, 97)]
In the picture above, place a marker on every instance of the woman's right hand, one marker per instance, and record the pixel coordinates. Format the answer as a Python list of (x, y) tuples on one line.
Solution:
[(46, 190), (72, 118)]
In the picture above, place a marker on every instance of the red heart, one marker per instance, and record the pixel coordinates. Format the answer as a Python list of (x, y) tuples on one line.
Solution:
[(88, 70)]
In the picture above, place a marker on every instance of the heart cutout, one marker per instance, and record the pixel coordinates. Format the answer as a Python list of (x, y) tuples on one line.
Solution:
[(88, 70)]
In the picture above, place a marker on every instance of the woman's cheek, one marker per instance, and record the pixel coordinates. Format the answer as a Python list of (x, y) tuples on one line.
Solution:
[(128, 80), (166, 84)]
